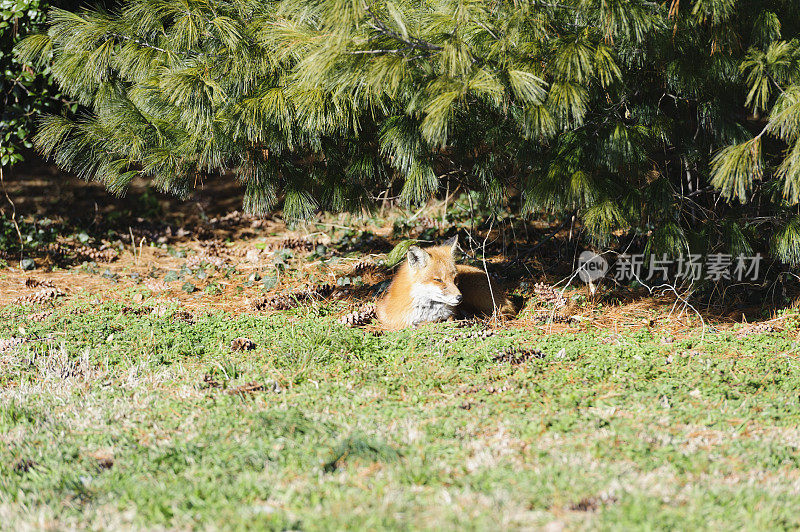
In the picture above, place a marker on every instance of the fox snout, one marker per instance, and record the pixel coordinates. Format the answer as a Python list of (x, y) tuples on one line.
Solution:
[(452, 296), (436, 291), (455, 295)]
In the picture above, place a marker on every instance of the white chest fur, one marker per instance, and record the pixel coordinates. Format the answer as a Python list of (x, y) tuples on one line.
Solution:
[(426, 306), (426, 311)]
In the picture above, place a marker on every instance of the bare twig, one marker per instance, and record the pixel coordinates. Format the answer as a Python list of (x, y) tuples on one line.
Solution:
[(486, 270), (471, 222), (551, 235), (666, 287), (13, 213), (414, 217), (133, 243), (141, 245)]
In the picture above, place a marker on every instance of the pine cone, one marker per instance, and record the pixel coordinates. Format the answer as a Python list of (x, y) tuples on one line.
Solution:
[(196, 261), (136, 311), (259, 304), (45, 295), (359, 318), (364, 266), (193, 261), (481, 334), (242, 344), (296, 244), (214, 248), (517, 355), (209, 382), (104, 254), (30, 282), (183, 315), (156, 285), (23, 465), (548, 316), (60, 252), (321, 291), (293, 299), (248, 387), (283, 302), (549, 295), (57, 251), (370, 272), (756, 328), (40, 316), (275, 302), (7, 344), (229, 220), (562, 318), (258, 223)]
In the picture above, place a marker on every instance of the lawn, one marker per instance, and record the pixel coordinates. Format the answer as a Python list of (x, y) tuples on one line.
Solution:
[(126, 406), (134, 415)]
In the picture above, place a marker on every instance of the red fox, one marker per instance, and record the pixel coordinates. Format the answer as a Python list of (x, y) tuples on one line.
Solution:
[(430, 286)]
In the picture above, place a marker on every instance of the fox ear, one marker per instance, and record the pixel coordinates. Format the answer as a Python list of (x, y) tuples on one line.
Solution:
[(417, 257), (452, 242)]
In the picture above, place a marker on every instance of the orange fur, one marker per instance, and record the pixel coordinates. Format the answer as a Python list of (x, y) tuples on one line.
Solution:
[(439, 273)]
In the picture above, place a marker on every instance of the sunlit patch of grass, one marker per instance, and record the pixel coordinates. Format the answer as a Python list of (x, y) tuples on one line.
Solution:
[(410, 429)]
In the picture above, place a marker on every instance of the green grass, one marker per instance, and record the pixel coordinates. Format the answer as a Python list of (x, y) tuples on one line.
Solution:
[(400, 431)]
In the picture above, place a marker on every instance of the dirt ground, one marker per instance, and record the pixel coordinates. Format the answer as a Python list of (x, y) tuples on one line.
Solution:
[(40, 188), (150, 235)]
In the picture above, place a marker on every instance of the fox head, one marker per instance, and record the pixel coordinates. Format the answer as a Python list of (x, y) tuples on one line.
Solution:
[(433, 273)]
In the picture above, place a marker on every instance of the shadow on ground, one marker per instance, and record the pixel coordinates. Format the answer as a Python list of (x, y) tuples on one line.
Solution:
[(149, 239)]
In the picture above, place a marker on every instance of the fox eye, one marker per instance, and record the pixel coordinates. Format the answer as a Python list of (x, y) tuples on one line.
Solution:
[(437, 279)]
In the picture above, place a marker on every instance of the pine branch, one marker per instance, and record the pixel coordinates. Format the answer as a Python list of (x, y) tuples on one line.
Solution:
[(411, 42), (146, 44)]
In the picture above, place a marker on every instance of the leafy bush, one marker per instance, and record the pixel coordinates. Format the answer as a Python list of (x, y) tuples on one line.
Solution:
[(24, 92), (35, 234)]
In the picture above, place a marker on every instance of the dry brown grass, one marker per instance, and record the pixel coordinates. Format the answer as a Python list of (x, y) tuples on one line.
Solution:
[(636, 311), (209, 217)]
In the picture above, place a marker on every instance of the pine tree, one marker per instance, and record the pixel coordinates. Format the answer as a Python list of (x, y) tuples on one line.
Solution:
[(678, 121)]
